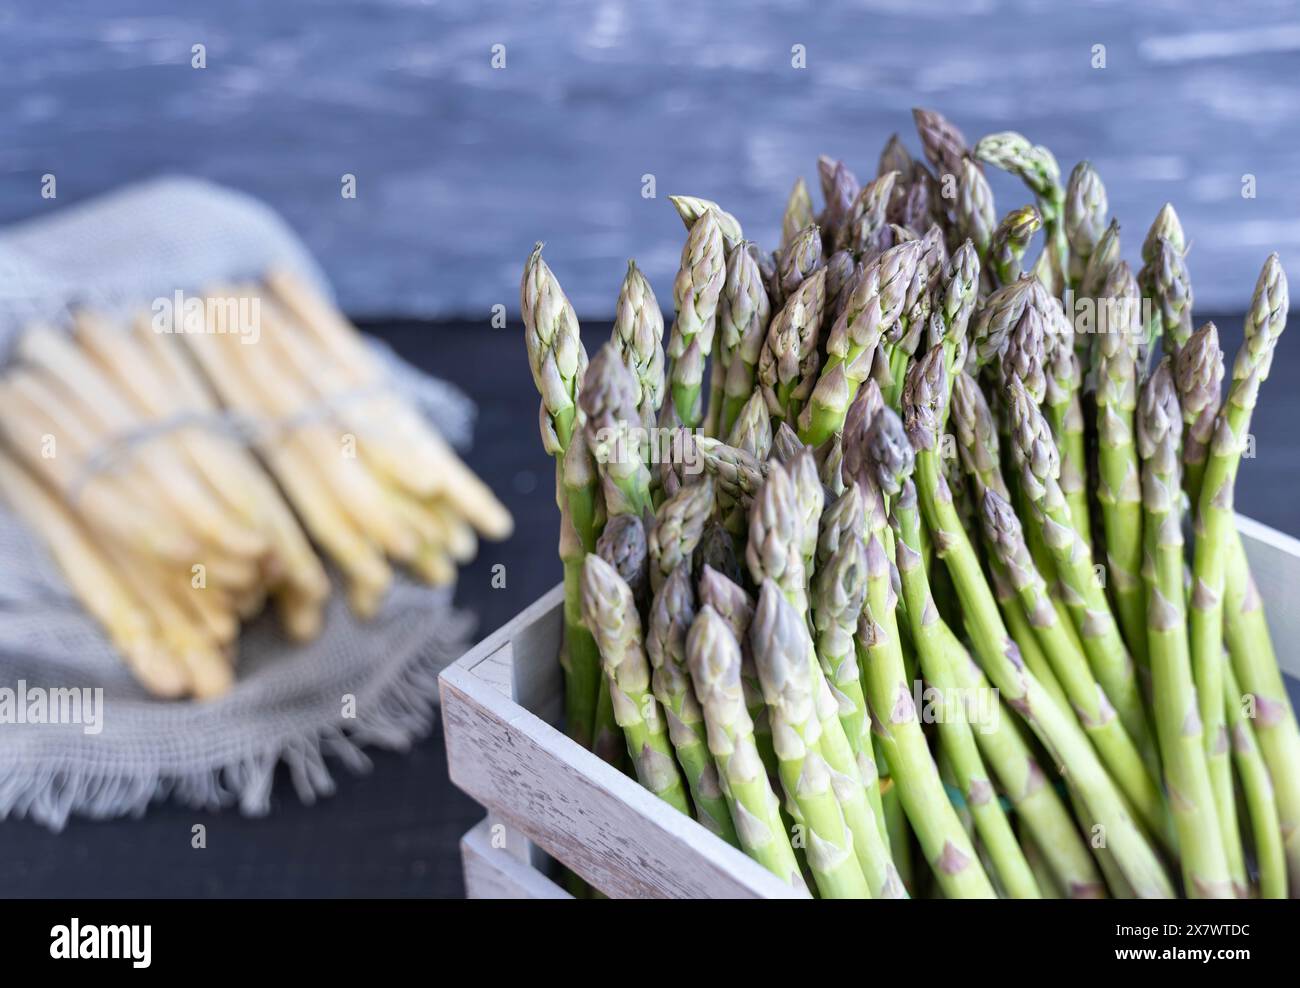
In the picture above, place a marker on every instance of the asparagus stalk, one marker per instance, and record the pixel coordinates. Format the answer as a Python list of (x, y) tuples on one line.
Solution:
[(922, 402), (1105, 256), (715, 664), (611, 425), (611, 615), (1119, 490), (839, 593), (558, 362), (1214, 527), (1089, 702), (878, 469), (1191, 797), (1039, 465), (623, 545), (774, 551), (865, 230), (670, 620), (778, 637), (695, 293), (738, 474), (1065, 414), (931, 638), (1257, 787)]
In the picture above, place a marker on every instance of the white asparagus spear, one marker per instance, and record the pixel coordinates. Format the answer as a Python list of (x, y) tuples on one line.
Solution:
[(93, 580)]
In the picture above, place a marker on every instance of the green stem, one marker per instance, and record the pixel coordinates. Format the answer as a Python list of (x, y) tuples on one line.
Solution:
[(1258, 790)]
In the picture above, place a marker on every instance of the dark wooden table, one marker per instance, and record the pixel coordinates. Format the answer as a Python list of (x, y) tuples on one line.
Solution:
[(394, 832)]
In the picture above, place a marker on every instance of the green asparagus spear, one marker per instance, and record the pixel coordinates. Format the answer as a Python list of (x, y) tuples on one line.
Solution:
[(1039, 466), (778, 637), (691, 208), (714, 658), (1037, 168), (670, 620), (923, 401), (612, 617), (1191, 797), (558, 362), (1214, 526), (976, 219), (1257, 787)]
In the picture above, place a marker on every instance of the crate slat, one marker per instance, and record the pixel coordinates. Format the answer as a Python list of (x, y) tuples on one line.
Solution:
[(496, 873)]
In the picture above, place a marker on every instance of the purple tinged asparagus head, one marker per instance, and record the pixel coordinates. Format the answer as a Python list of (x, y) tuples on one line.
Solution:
[(1031, 443), (977, 433), (671, 614), (1199, 380), (679, 526), (995, 319), (889, 452), (1159, 431), (612, 618), (943, 143), (775, 528), (785, 444), (1024, 353), (1002, 527), (693, 208), (698, 286), (857, 424), (895, 157), (976, 216), (800, 258), (726, 596), (717, 551), (744, 309), (1086, 209), (839, 190), (866, 228), (842, 522), (925, 400), (623, 545), (961, 283)]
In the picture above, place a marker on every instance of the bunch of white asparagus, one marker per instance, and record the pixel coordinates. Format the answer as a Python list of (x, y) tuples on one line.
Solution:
[(180, 478)]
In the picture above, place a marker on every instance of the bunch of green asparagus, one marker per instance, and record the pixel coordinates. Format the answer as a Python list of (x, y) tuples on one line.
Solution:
[(834, 581)]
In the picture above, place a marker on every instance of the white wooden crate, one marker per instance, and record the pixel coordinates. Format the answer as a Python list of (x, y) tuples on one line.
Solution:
[(500, 703)]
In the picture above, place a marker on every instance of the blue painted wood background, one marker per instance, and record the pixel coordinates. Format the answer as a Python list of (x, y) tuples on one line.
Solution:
[(460, 167)]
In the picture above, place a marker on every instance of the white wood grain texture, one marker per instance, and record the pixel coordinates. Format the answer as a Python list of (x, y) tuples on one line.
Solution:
[(496, 873), (613, 833), (1275, 563)]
